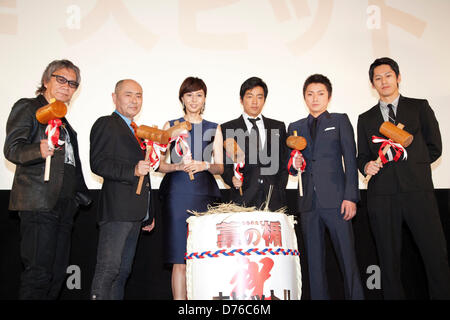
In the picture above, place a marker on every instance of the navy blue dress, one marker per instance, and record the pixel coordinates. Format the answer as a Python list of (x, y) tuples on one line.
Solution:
[(179, 193)]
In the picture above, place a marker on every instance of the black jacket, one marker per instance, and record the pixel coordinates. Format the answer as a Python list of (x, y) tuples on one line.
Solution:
[(22, 147), (413, 174), (271, 169), (114, 153)]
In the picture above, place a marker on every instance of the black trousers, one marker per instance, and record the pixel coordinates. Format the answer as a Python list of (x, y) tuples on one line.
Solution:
[(420, 212), (314, 223), (45, 250), (117, 243)]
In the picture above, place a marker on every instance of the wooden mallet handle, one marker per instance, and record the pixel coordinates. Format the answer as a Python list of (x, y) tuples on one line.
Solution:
[(183, 147), (378, 161), (235, 153), (48, 161), (299, 177), (148, 152), (191, 175)]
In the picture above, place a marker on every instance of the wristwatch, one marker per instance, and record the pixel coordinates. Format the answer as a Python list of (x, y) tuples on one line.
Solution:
[(207, 166)]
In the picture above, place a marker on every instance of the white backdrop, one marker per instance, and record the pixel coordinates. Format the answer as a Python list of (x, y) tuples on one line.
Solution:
[(224, 42)]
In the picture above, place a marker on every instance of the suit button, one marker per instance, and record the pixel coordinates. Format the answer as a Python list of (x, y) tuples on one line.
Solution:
[(147, 185)]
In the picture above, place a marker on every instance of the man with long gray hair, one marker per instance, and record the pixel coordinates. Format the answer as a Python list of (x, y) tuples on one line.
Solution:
[(46, 208)]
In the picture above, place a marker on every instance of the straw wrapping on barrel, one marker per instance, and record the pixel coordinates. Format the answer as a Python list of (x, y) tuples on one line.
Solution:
[(230, 207)]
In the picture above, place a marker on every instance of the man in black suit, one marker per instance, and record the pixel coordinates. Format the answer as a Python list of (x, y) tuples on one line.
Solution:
[(46, 209), (403, 191), (117, 155), (330, 193), (263, 141)]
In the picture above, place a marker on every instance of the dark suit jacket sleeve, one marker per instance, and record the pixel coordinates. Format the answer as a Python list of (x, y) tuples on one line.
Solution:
[(431, 132), (348, 148), (363, 145), (19, 130), (284, 154), (104, 159)]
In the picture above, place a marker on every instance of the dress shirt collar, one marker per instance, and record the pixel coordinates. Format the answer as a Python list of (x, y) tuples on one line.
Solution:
[(310, 117), (127, 121), (384, 105), (249, 125)]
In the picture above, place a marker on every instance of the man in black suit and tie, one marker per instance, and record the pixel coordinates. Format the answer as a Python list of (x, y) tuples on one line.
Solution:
[(330, 193), (117, 155), (403, 191), (264, 142), (46, 209)]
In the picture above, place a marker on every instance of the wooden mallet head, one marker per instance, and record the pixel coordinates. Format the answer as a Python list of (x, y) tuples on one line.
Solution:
[(178, 128), (296, 142), (153, 134), (54, 110), (396, 133)]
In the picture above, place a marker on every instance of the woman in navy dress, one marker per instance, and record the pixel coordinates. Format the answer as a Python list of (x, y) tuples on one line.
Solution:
[(178, 192)]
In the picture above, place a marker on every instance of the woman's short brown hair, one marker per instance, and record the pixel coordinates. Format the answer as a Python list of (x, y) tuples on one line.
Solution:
[(191, 84)]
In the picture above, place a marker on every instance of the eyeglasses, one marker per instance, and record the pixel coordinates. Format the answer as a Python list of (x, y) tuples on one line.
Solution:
[(62, 80)]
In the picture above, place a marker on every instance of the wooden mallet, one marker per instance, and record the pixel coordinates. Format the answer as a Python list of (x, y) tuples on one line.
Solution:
[(235, 153), (159, 136), (54, 110), (396, 134), (153, 134), (297, 143), (183, 147)]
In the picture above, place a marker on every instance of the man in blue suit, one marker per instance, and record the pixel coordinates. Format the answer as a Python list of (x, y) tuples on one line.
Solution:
[(330, 193)]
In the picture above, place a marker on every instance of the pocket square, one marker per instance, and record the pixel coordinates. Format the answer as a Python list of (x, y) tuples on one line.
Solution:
[(330, 128)]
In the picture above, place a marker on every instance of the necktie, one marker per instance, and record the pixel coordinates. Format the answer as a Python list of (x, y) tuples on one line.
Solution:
[(134, 126), (391, 116), (256, 129), (391, 113), (313, 129)]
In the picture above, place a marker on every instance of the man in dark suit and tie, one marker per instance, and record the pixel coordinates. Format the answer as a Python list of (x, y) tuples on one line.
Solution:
[(330, 193), (46, 208), (264, 142), (403, 191), (117, 155)]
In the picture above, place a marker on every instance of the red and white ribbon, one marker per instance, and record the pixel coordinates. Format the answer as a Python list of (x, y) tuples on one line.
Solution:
[(179, 142), (155, 156), (397, 147), (237, 172), (53, 132), (294, 155)]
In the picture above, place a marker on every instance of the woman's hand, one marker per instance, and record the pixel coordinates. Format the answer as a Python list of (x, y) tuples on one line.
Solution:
[(194, 166)]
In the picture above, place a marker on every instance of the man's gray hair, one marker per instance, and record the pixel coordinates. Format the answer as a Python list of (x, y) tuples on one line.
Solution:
[(54, 66)]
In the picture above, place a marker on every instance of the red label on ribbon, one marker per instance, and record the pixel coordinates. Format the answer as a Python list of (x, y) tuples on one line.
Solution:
[(294, 154), (398, 148)]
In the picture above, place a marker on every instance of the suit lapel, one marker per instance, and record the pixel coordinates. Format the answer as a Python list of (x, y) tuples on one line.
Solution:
[(401, 116), (124, 127), (323, 124), (268, 142), (376, 119), (303, 130), (240, 124)]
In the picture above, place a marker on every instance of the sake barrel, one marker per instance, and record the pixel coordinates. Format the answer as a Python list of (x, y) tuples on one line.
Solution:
[(242, 256)]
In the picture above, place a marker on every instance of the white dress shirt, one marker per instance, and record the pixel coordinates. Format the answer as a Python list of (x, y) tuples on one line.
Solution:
[(259, 124), (385, 113)]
